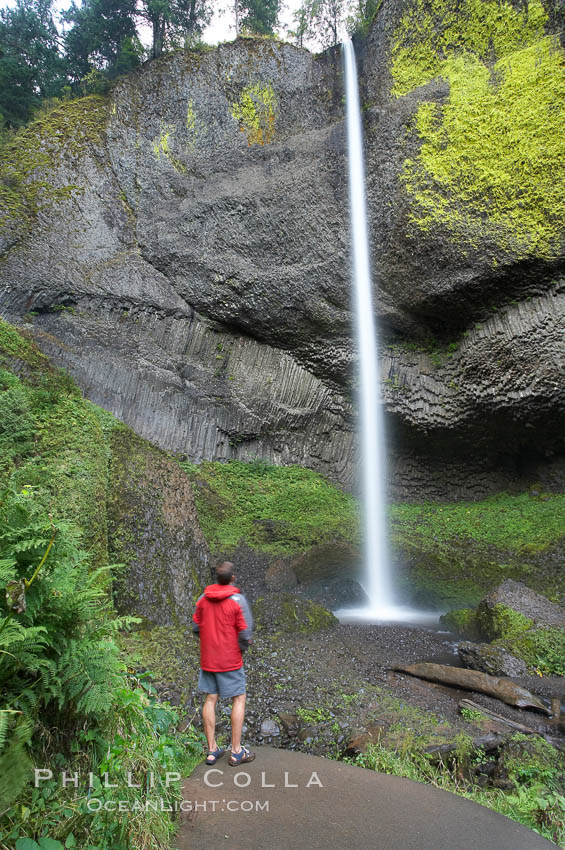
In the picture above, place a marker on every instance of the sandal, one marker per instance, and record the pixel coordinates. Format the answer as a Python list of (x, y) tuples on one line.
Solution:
[(242, 757), (213, 756)]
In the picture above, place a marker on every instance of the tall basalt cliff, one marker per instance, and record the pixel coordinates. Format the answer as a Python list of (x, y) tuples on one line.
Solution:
[(182, 248)]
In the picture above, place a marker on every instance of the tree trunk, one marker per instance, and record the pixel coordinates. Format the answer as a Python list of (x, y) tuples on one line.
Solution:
[(159, 25)]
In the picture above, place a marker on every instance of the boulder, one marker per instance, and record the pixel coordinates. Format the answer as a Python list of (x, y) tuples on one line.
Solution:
[(490, 658), (290, 723), (362, 739), (280, 576), (526, 625), (337, 593), (269, 729), (513, 608), (328, 560), (287, 612)]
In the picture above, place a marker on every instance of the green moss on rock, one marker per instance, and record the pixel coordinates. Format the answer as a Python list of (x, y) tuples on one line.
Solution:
[(65, 465), (289, 613), (31, 156), (462, 621), (502, 622), (278, 510), (525, 523), (455, 552), (541, 649), (489, 158), (153, 530)]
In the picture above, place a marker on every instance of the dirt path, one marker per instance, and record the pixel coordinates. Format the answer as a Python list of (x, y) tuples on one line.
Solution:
[(318, 803)]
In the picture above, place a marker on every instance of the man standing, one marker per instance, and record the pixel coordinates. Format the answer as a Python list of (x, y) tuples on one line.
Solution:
[(224, 623)]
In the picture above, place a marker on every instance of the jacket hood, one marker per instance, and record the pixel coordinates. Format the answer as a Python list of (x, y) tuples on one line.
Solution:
[(217, 592)]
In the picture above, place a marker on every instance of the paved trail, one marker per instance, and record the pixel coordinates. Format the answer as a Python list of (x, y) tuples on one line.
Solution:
[(355, 809)]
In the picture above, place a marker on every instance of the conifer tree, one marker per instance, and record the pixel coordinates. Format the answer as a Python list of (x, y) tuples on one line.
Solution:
[(31, 65), (258, 16), (102, 32)]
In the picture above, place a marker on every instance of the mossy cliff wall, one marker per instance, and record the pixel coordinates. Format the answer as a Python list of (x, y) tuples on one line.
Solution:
[(130, 503), (487, 144), (153, 529), (133, 504), (287, 526), (192, 273)]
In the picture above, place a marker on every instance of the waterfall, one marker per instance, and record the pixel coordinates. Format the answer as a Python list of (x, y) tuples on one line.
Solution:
[(378, 579), (378, 582)]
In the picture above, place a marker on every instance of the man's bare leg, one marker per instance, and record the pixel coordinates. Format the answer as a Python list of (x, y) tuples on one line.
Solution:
[(209, 720), (237, 715)]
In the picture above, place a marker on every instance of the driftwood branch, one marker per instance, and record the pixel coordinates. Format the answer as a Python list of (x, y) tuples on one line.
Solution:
[(518, 727)]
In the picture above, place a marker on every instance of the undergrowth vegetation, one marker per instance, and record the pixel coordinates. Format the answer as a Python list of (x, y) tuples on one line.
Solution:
[(69, 701), (532, 769), (527, 522), (274, 509), (458, 549)]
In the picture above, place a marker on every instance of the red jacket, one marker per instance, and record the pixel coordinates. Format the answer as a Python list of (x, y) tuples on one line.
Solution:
[(224, 622)]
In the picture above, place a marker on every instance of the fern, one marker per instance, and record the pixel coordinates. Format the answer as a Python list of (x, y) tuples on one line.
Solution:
[(7, 571), (15, 763), (58, 654)]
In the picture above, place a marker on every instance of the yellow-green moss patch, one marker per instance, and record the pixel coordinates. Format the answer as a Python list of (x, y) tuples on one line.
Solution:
[(256, 111), (490, 158)]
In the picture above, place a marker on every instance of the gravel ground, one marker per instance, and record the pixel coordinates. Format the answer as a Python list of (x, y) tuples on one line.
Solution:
[(332, 685)]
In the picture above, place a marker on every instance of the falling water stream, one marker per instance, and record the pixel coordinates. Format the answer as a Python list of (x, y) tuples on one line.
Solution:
[(378, 579)]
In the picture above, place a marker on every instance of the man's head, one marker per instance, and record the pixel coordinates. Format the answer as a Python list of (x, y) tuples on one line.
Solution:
[(224, 573)]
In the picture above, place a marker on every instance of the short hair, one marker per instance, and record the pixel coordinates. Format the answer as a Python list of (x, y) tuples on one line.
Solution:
[(224, 573)]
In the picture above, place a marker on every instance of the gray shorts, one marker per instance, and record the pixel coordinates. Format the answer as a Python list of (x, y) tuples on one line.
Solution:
[(228, 684)]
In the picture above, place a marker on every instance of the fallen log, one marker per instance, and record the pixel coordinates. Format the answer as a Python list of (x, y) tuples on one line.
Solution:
[(473, 680), (518, 727), (490, 742)]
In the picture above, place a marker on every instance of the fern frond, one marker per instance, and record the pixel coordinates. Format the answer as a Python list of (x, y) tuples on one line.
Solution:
[(15, 766), (8, 571)]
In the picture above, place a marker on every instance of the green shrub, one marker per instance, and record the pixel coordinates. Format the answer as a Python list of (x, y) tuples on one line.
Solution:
[(542, 650)]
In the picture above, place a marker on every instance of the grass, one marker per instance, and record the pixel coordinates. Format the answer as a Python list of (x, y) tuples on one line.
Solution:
[(524, 523), (278, 510), (536, 771)]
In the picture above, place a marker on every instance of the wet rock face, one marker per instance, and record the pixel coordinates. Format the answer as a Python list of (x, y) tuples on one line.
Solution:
[(153, 531), (198, 286), (494, 660)]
